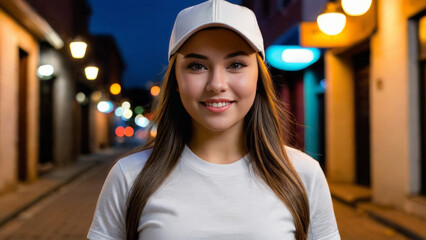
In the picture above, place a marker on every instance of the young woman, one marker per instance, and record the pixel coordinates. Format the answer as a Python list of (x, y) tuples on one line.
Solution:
[(218, 167)]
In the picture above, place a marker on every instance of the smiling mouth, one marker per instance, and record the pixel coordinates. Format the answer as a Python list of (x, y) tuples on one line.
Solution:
[(217, 104)]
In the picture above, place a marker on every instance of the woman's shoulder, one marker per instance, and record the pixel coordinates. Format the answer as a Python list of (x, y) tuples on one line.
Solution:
[(132, 164), (304, 164)]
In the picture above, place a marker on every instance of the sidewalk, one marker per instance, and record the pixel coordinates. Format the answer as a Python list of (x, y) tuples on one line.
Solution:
[(359, 198), (14, 203)]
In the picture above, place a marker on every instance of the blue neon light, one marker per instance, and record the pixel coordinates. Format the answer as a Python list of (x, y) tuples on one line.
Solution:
[(291, 57)]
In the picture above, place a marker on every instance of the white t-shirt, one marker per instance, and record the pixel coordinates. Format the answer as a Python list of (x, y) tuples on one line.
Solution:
[(202, 200)]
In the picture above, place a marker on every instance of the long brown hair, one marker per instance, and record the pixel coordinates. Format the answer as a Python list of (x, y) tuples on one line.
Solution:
[(264, 138)]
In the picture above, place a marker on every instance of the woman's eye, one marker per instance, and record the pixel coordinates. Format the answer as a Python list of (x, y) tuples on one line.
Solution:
[(237, 65), (196, 67)]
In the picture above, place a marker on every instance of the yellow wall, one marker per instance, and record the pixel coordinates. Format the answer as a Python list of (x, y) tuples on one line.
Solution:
[(393, 108), (13, 37), (340, 162), (390, 105)]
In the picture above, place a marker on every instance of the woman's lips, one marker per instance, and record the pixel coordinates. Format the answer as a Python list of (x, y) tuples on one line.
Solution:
[(217, 105)]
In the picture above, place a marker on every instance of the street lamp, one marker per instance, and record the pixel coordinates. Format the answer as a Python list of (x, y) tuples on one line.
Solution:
[(78, 49), (356, 7), (331, 21), (91, 72)]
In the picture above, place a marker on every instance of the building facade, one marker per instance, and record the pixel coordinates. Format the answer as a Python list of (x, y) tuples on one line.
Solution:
[(44, 122), (21, 28), (375, 108), (373, 102)]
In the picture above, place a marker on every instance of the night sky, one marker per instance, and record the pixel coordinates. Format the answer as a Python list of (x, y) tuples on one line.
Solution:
[(142, 30)]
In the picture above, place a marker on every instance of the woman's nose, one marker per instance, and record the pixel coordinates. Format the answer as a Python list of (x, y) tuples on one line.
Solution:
[(218, 81)]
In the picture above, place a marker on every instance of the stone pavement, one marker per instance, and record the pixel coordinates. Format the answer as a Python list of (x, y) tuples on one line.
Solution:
[(357, 225), (59, 205), (411, 226), (66, 213)]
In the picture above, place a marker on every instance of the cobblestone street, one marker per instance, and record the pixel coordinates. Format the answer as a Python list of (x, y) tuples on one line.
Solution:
[(67, 214)]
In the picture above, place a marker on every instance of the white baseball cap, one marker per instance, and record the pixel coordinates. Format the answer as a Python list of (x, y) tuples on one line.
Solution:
[(216, 13)]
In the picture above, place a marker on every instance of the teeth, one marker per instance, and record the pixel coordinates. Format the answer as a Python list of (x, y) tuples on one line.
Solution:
[(218, 105)]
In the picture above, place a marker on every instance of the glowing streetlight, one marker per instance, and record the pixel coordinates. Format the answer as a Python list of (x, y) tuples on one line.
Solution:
[(332, 21), (356, 7), (78, 49), (91, 72)]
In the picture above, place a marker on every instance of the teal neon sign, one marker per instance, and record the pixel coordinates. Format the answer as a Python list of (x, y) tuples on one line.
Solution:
[(291, 57)]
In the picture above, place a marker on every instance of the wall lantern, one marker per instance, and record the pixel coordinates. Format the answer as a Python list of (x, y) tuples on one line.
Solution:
[(331, 21), (91, 72), (291, 57), (78, 49), (45, 72), (356, 7)]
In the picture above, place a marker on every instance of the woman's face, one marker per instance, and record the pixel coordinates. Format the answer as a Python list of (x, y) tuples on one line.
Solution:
[(216, 72)]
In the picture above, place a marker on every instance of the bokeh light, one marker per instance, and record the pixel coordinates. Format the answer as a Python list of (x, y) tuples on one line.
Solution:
[(153, 131), (125, 105), (78, 49), (128, 131), (105, 106), (119, 112), (91, 72), (45, 72), (139, 110), (155, 90), (81, 98), (96, 96), (127, 114), (331, 23), (119, 131), (115, 88), (141, 121), (356, 7)]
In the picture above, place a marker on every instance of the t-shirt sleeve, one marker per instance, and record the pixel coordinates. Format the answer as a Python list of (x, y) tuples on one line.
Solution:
[(109, 218), (323, 222)]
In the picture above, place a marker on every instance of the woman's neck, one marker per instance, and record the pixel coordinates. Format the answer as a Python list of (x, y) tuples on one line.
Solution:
[(222, 147)]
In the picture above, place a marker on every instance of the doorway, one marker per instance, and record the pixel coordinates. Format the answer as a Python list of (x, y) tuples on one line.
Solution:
[(361, 67), (22, 116), (46, 127), (423, 124)]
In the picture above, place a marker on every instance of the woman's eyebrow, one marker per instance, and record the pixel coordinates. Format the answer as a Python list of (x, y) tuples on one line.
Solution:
[(195, 55), (235, 54), (231, 55)]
